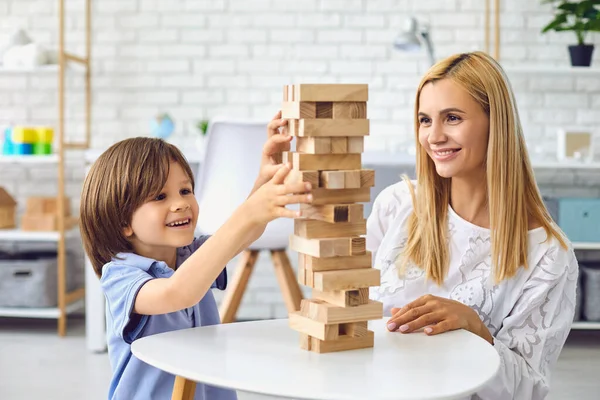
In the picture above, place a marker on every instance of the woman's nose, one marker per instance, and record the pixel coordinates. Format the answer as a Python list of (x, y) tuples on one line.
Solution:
[(436, 133)]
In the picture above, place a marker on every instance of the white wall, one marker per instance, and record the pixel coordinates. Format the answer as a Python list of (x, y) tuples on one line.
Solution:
[(199, 58)]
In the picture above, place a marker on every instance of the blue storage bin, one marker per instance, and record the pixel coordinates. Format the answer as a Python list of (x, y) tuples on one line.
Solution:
[(580, 219), (7, 145), (22, 148)]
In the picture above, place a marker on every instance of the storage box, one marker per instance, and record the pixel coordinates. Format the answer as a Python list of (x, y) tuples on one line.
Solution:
[(32, 282), (580, 219), (551, 204), (591, 292), (39, 222), (8, 210), (46, 205)]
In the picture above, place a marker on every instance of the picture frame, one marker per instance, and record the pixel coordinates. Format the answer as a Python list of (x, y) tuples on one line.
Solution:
[(575, 144)]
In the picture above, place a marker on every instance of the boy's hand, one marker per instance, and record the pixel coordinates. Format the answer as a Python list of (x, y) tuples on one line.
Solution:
[(277, 142), (269, 201)]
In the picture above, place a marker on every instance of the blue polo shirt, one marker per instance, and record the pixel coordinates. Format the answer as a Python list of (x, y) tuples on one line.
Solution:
[(121, 280)]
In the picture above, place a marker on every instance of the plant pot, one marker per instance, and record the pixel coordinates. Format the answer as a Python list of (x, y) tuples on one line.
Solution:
[(581, 55)]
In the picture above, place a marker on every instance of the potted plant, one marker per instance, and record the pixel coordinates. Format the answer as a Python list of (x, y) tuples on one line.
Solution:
[(202, 127), (580, 17)]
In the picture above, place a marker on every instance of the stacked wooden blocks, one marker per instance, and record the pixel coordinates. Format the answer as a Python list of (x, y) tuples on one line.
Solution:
[(330, 123)]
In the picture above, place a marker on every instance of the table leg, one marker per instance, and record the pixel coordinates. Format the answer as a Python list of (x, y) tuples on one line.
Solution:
[(183, 389)]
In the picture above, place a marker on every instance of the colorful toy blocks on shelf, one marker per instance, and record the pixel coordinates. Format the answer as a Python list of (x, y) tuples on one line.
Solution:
[(330, 123), (27, 140)]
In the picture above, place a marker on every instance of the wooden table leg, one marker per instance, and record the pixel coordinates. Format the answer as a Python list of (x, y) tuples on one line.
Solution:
[(183, 389)]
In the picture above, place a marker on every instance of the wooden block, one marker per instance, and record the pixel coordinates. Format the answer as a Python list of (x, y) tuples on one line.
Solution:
[(302, 274), (285, 93), (358, 246), (313, 328), (335, 263), (349, 110), (297, 110), (343, 343), (331, 92), (39, 222), (292, 129), (331, 127), (367, 178), (346, 279), (332, 179), (291, 93), (314, 145), (341, 196), (347, 179), (311, 177), (326, 313), (356, 144), (355, 213), (354, 329), (343, 298), (323, 247), (312, 229), (352, 179), (305, 341), (324, 110), (304, 162), (339, 145), (333, 212)]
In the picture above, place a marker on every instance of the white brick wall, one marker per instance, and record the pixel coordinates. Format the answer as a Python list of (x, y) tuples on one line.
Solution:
[(197, 58)]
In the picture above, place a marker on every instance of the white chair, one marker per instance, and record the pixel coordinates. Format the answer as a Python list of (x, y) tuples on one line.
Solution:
[(226, 177)]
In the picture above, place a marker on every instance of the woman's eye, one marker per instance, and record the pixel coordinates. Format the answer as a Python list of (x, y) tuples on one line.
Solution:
[(424, 120), (186, 191), (160, 197), (453, 118)]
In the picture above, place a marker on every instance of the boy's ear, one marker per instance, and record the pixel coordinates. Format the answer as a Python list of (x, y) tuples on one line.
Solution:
[(127, 231)]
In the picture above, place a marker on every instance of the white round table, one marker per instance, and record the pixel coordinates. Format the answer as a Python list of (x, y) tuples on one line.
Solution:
[(265, 357)]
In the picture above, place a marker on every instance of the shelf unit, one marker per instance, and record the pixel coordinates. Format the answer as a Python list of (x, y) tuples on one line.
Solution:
[(586, 325), (67, 302)]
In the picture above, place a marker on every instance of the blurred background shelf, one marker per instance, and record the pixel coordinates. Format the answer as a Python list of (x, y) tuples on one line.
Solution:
[(29, 159)]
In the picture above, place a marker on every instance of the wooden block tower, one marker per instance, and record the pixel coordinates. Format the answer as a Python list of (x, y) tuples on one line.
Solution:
[(330, 123)]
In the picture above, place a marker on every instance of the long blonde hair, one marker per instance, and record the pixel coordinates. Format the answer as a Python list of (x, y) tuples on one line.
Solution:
[(513, 196)]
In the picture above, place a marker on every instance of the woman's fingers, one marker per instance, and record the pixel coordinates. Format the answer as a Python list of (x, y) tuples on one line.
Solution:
[(400, 319), (441, 327)]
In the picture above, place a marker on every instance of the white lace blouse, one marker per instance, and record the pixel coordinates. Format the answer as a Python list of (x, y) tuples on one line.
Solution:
[(529, 315)]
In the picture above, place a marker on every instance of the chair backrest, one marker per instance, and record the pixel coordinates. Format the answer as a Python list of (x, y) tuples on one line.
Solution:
[(227, 175)]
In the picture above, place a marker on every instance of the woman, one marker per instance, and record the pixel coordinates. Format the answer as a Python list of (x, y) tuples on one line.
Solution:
[(470, 244)]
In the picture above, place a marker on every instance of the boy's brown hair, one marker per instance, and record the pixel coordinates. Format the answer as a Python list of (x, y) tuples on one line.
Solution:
[(122, 179)]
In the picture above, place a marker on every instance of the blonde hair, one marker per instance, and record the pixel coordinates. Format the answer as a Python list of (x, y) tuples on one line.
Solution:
[(122, 179), (512, 194)]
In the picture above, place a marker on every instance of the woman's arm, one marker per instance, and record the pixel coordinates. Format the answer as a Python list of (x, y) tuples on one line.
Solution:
[(532, 336)]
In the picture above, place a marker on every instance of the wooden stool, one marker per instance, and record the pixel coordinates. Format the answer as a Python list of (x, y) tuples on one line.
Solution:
[(285, 275)]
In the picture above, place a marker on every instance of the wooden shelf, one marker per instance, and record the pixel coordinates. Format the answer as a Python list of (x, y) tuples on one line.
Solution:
[(29, 159), (585, 326), (586, 246), (18, 235), (551, 69), (40, 69), (44, 312)]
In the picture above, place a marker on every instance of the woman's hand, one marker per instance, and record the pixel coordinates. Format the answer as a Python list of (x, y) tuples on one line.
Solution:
[(276, 143), (437, 315)]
